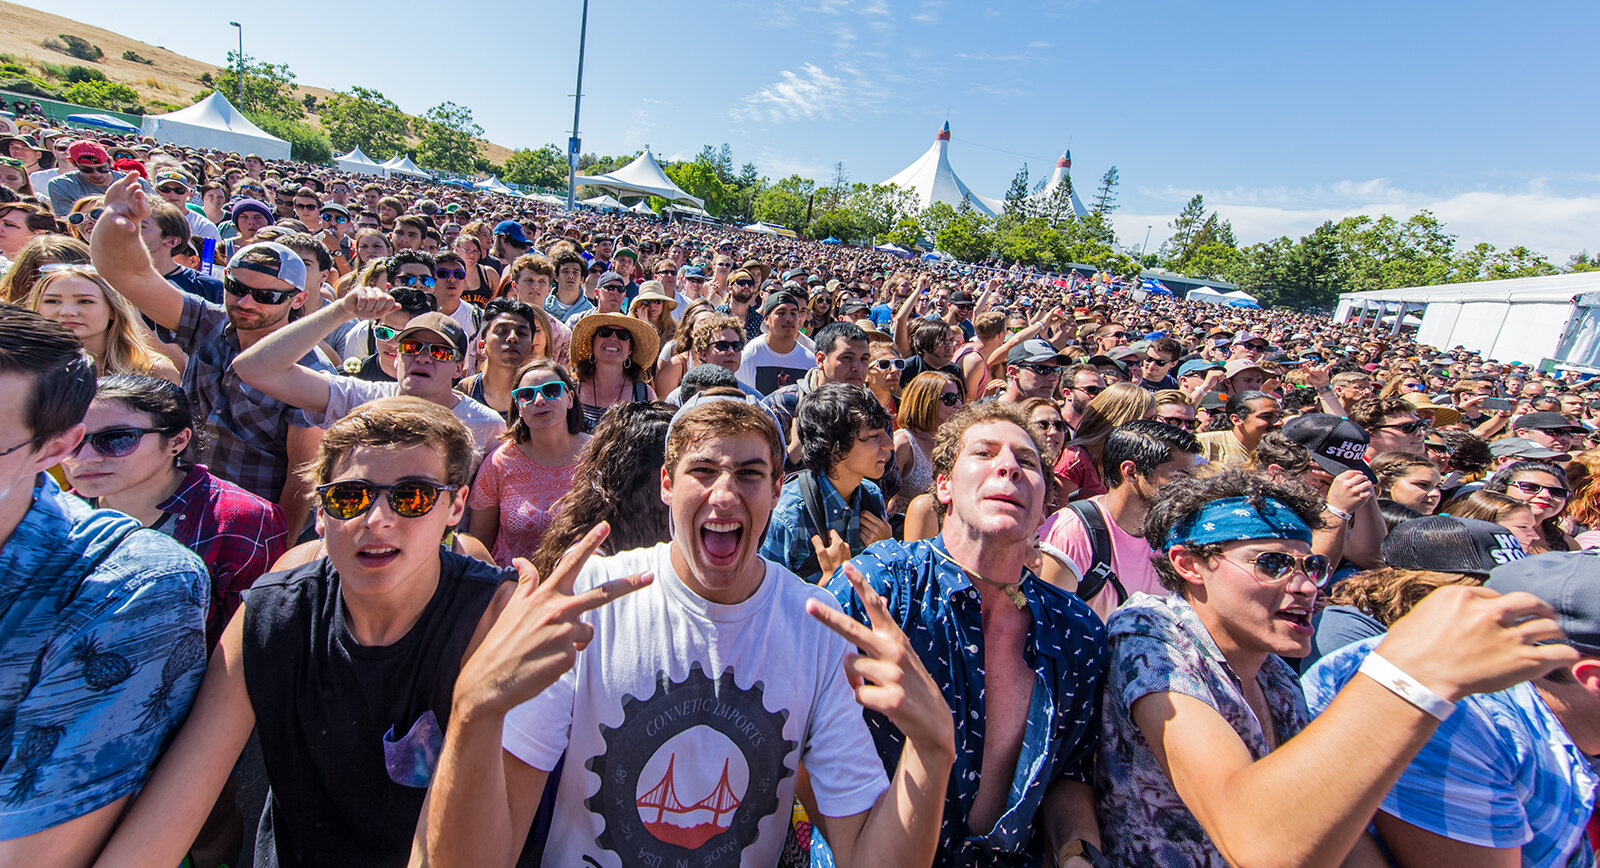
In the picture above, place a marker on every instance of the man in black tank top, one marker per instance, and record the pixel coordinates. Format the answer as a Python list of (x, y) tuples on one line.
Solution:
[(346, 665)]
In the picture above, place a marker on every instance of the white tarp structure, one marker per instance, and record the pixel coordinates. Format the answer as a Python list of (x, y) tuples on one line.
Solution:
[(642, 177), (1208, 295), (932, 179), (640, 207), (1061, 176), (360, 163), (214, 123), (760, 229), (602, 201), (400, 164), (1240, 295), (1524, 319), (492, 184)]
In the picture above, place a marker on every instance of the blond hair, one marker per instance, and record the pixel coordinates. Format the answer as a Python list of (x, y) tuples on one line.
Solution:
[(129, 347)]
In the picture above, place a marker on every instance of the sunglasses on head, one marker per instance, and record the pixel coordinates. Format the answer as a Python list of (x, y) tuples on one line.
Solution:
[(613, 332), (1533, 488), (551, 391), (117, 442), (950, 399), (1275, 567), (423, 280), (261, 296), (450, 274), (727, 346), (437, 352), (889, 364), (353, 497)]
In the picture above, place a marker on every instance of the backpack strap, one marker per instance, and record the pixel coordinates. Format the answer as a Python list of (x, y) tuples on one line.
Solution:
[(1100, 571)]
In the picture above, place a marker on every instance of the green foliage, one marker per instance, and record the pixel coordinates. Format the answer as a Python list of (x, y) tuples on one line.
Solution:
[(74, 46), (1582, 261), (132, 55), (934, 218), (967, 236), (1016, 206), (1105, 199), (1031, 241), (450, 139), (268, 88), (367, 119), (306, 143), (13, 70), (838, 223), (700, 179), (906, 233), (785, 202), (76, 74), (544, 167), (102, 94), (30, 86)]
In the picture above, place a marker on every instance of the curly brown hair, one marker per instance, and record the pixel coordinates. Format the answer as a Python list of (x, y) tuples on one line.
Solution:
[(1388, 593)]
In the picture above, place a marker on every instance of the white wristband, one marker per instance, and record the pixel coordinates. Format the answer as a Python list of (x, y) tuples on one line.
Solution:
[(1343, 516), (1406, 687)]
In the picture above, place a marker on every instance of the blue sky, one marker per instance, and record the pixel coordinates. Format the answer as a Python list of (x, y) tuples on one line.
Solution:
[(1283, 114)]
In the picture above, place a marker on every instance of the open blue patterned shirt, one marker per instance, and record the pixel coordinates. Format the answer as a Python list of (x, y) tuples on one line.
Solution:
[(937, 606)]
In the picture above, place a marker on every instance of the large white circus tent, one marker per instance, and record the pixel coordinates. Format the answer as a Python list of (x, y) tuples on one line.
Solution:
[(1061, 176), (933, 180)]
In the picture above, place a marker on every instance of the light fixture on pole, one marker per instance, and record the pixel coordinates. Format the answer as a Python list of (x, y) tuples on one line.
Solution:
[(1145, 247), (236, 25), (574, 146)]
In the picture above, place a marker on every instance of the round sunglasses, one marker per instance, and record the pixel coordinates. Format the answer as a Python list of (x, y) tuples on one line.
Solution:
[(350, 498)]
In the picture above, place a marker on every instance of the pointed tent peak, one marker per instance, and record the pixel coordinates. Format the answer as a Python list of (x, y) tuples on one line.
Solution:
[(944, 133), (1065, 161)]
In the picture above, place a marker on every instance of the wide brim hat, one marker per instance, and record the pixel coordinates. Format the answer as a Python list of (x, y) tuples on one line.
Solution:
[(654, 290), (646, 343)]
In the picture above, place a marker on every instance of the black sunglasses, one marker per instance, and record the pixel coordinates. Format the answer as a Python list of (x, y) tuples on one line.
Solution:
[(1042, 370), (1091, 391), (353, 497), (744, 283), (261, 296), (1179, 422), (1532, 488), (949, 399), (613, 332), (117, 442), (727, 346), (1407, 427), (93, 169), (549, 391), (451, 274)]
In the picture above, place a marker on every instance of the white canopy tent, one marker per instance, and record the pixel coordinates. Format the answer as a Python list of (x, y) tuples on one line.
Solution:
[(1208, 295), (932, 179), (602, 201), (760, 229), (1236, 295), (400, 164), (492, 184), (640, 207), (214, 123), (355, 161), (1523, 319), (642, 177)]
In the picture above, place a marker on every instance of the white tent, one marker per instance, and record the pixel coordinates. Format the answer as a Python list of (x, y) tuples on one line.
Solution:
[(400, 164), (546, 198), (760, 229), (641, 208), (492, 184), (642, 177), (355, 161), (214, 123), (932, 179), (1524, 319), (1062, 175), (1209, 295), (602, 201), (1240, 295)]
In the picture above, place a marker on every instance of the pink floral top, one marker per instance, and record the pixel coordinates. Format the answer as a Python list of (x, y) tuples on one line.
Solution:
[(526, 493)]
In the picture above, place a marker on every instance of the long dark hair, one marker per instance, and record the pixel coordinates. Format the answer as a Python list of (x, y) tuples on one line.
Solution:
[(618, 481), (1550, 531), (163, 401)]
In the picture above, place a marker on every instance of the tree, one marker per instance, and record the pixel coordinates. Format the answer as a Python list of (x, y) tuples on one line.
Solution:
[(268, 88), (1105, 199), (785, 202), (542, 167), (966, 236), (906, 233), (102, 94), (878, 208), (935, 217), (1030, 241), (365, 118), (699, 179), (1185, 227), (1057, 207), (1016, 206), (450, 140)]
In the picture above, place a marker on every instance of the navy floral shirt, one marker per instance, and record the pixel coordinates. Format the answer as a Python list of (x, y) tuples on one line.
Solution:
[(1159, 645), (937, 606)]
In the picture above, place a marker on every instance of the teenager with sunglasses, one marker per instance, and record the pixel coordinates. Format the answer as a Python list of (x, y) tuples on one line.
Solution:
[(1393, 425), (1543, 487), (254, 438), (514, 495), (432, 352), (345, 666), (1208, 754), (88, 173)]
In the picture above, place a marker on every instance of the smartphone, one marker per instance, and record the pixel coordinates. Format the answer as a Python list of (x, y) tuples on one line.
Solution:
[(1499, 404)]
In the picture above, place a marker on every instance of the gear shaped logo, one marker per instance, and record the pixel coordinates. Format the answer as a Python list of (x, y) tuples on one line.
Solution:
[(691, 771)]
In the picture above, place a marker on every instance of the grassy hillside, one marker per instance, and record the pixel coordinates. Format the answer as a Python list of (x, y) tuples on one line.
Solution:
[(168, 80)]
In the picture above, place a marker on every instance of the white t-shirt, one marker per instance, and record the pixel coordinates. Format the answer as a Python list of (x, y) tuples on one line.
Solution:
[(347, 393), (770, 371), (684, 720)]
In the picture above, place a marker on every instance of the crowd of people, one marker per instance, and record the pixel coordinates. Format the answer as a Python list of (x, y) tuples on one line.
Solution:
[(462, 520)]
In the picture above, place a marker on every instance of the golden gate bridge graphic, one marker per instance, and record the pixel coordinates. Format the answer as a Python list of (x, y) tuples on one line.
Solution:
[(663, 800)]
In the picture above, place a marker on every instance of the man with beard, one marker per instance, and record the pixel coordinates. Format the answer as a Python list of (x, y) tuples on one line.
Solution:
[(742, 293), (1033, 370), (1079, 385), (702, 652), (254, 438)]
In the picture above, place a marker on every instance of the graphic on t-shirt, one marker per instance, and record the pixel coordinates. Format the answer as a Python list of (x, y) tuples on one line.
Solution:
[(771, 378), (411, 759), (692, 770)]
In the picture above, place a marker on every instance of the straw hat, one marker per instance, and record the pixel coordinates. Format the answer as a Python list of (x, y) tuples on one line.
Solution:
[(646, 343), (655, 290), (1439, 415)]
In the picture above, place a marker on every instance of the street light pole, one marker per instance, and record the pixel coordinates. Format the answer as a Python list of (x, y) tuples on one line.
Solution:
[(573, 144), (1145, 247), (237, 26)]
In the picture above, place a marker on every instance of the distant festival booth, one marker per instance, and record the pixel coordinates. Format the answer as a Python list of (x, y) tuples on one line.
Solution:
[(214, 123)]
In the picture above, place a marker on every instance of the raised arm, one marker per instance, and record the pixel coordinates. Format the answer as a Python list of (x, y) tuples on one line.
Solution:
[(902, 320), (273, 364), (121, 258)]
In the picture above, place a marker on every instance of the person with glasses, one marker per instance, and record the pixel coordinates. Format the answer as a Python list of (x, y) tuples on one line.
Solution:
[(1109, 337), (1154, 370), (1173, 407), (1080, 384), (741, 294), (91, 174), (431, 358), (1392, 423), (371, 350), (345, 666), (60, 145), (693, 285), (1033, 370), (450, 278), (85, 213), (334, 229), (665, 271), (104, 641), (1544, 488), (1549, 429), (926, 403), (177, 189), (610, 355), (514, 495), (483, 282)]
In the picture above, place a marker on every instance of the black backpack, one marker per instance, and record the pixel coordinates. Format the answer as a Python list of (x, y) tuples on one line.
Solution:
[(811, 496), (1100, 572)]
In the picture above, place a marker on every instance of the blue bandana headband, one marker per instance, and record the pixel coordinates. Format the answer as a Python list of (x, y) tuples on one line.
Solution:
[(1235, 518)]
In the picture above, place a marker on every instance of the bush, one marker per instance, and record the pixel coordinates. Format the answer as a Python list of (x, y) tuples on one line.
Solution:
[(101, 94), (132, 55), (76, 74), (29, 86), (13, 70), (75, 46), (307, 144)]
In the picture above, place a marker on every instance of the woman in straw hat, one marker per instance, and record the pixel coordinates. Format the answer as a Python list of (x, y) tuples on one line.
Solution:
[(611, 354)]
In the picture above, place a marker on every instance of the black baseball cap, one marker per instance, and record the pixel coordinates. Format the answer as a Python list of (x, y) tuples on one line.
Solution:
[(1446, 544), (1546, 420), (1336, 444), (1565, 580)]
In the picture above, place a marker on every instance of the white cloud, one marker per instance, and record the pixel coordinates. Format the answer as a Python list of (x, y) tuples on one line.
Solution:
[(1557, 224), (808, 94)]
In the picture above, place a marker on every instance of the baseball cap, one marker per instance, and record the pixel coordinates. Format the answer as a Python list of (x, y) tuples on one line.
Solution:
[(1546, 420), (1105, 361), (440, 324), (513, 230), (777, 298), (1446, 544), (625, 251), (1522, 447), (84, 150), (962, 298), (179, 178), (1238, 366), (610, 278), (1564, 580), (1035, 351), (692, 271), (272, 259), (1336, 444), (335, 207), (1246, 337), (1197, 366), (1213, 401)]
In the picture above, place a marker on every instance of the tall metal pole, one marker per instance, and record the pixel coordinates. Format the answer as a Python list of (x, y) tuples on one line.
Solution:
[(1145, 247), (573, 144), (240, 28)]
